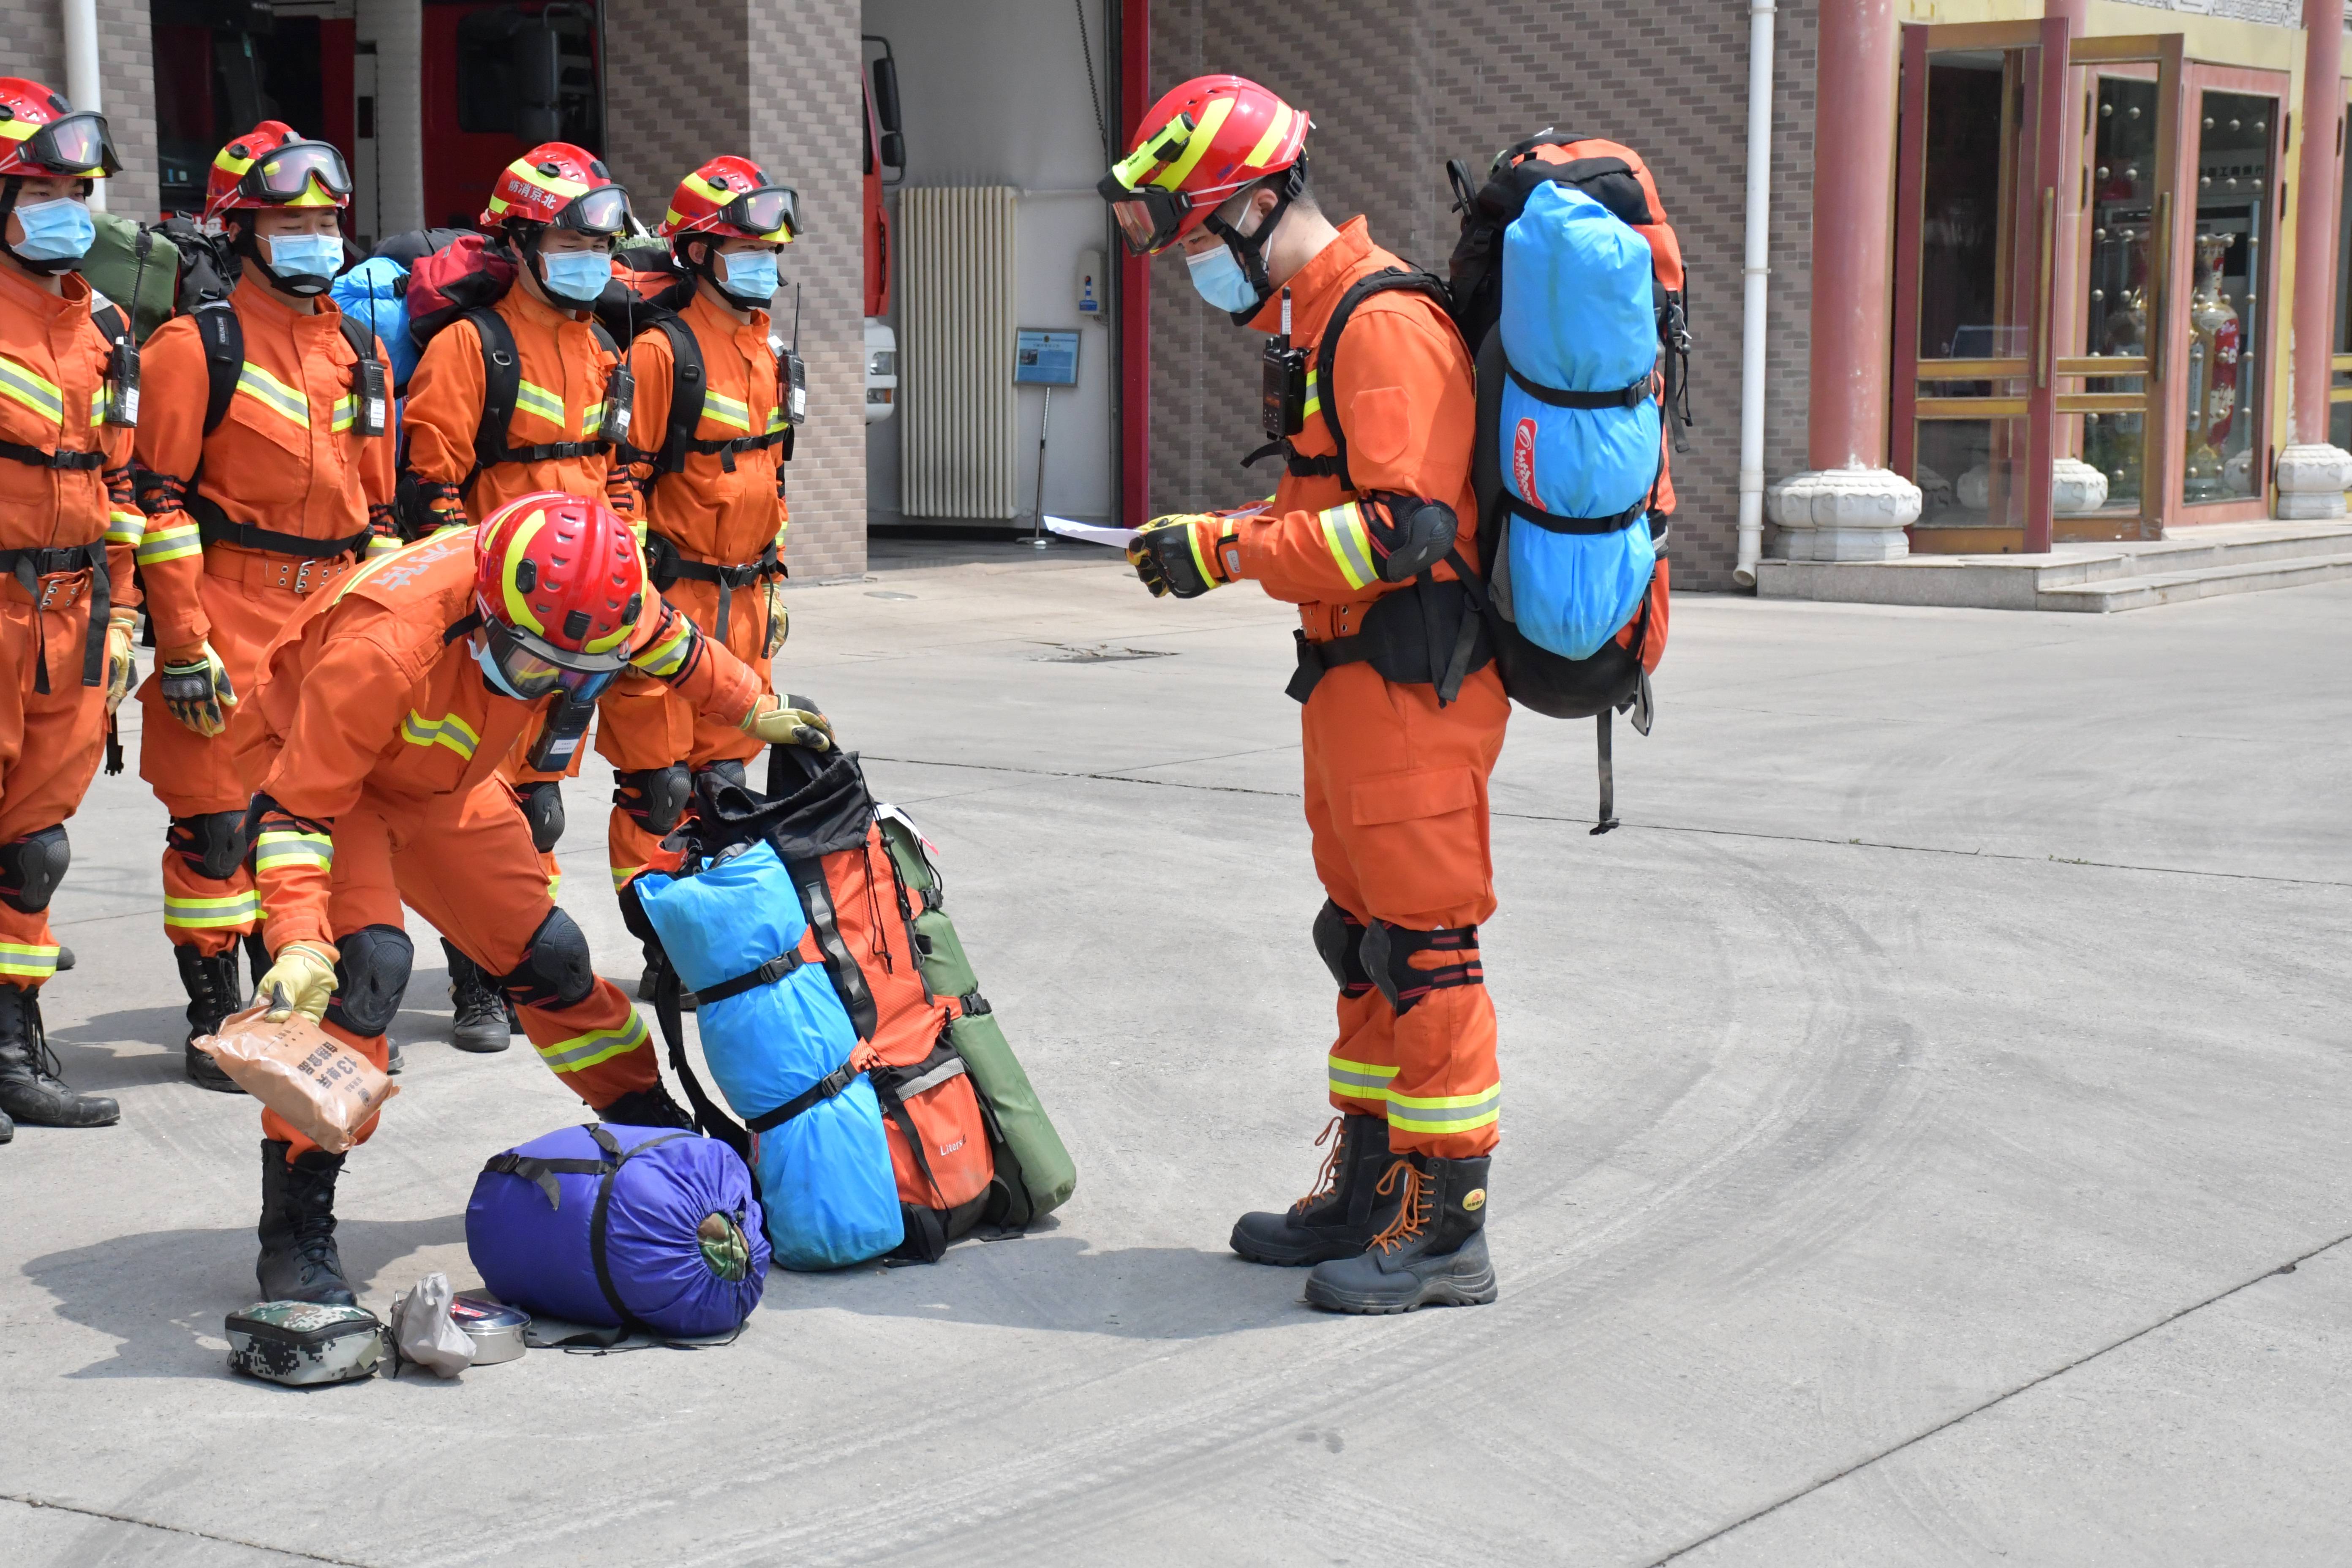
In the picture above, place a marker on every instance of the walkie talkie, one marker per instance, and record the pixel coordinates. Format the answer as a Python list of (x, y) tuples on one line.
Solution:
[(122, 365), (1283, 387), (567, 722), (795, 373)]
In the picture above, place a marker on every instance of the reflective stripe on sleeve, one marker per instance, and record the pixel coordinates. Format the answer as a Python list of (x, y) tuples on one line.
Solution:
[(125, 527), (1350, 546), (212, 914), (667, 656), (447, 731), (1446, 1112), (170, 538), (283, 847), (582, 1051)]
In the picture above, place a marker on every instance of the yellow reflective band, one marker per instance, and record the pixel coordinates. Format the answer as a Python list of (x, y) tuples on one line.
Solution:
[(347, 413), (1314, 404), (518, 607), (447, 731), (582, 1051), (172, 540), (775, 420), (532, 398), (314, 194), (1359, 1080), (34, 392), (554, 883), (27, 961), (212, 914), (283, 846), (1276, 132), (274, 394), (17, 130), (591, 419), (726, 410), (1199, 561), (623, 875), (1171, 178), (1350, 546), (382, 545), (1446, 1112), (668, 657), (98, 405), (125, 527)]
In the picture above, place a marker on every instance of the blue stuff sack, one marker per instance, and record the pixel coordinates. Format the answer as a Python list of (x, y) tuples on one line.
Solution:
[(372, 292), (613, 1225), (824, 1176), (1578, 316)]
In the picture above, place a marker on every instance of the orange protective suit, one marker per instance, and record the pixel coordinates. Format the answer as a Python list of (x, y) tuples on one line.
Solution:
[(288, 456), (724, 508), (376, 740), (1396, 785), (53, 362), (563, 366)]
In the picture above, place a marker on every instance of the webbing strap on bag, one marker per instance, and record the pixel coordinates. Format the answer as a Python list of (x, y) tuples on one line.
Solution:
[(502, 389), (542, 1170), (61, 460), (708, 1119)]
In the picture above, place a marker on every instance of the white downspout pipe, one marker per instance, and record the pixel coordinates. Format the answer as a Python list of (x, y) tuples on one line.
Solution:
[(1754, 274), (81, 71)]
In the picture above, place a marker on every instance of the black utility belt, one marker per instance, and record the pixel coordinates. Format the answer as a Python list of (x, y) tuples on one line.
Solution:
[(668, 563), (214, 526), (1430, 634), (61, 460)]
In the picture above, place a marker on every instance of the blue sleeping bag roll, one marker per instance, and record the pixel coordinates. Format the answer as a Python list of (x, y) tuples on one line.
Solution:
[(373, 292), (825, 1175), (610, 1226), (1578, 316)]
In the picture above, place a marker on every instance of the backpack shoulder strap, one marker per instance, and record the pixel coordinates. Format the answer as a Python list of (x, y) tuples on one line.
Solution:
[(360, 335), (1327, 350), (501, 385), (604, 338), (223, 335), (686, 385)]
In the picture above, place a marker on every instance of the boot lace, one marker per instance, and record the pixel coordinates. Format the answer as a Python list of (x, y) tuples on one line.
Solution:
[(1327, 1179), (1413, 1215)]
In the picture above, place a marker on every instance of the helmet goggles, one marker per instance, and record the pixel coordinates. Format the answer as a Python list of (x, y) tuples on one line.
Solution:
[(73, 145), (535, 668), (284, 175), (1150, 215), (600, 212), (772, 212)]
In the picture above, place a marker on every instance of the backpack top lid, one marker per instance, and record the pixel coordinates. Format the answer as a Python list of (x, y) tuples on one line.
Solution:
[(1577, 310)]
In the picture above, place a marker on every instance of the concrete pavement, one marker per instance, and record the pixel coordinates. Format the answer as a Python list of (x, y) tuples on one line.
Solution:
[(1909, 1112)]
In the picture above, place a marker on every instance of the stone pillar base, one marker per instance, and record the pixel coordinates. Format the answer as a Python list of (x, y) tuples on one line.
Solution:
[(1844, 514), (2075, 487), (2312, 480)]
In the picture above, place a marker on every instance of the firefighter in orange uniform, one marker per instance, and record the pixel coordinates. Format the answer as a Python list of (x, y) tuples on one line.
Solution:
[(265, 474), (68, 528), (372, 742), (711, 473), (1403, 712), (559, 212)]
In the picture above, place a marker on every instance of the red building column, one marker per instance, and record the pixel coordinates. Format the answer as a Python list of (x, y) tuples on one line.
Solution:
[(2312, 472), (1849, 507)]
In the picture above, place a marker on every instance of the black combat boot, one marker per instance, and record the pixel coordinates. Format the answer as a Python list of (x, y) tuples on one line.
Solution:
[(298, 1260), (1352, 1203), (657, 969), (7, 1128), (647, 1108), (483, 1023), (257, 956), (1432, 1254), (30, 1090), (215, 990), (65, 959)]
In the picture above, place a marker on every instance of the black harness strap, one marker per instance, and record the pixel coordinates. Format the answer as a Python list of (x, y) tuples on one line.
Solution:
[(29, 567), (666, 564), (502, 389), (1431, 634), (215, 526), (61, 460), (1327, 361), (815, 1094)]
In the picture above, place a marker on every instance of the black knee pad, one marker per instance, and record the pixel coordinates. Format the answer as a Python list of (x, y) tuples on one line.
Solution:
[(370, 979), (555, 970), (32, 866), (653, 798), (1339, 938), (542, 807), (1388, 951), (730, 771), (213, 843)]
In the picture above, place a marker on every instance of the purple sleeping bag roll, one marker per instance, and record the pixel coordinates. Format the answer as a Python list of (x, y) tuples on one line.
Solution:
[(636, 1227)]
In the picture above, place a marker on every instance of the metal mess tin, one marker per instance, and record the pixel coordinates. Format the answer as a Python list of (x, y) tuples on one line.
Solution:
[(495, 1329)]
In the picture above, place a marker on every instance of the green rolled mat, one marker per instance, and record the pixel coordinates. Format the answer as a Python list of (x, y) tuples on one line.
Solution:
[(1047, 1174), (112, 265)]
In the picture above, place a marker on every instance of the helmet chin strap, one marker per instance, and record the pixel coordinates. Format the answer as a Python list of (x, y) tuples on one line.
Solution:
[(247, 243), (40, 267), (1250, 249)]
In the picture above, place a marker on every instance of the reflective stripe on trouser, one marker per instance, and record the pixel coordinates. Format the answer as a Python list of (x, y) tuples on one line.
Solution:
[(1409, 846), (207, 915)]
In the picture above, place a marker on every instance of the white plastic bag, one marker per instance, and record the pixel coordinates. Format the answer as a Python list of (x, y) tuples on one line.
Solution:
[(422, 1326)]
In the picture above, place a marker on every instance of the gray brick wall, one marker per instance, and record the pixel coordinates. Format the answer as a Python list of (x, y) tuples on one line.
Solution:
[(777, 79), (34, 31), (1396, 87)]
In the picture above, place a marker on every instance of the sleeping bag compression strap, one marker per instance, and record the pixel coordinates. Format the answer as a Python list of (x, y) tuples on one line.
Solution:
[(531, 1168), (668, 1011), (1631, 396), (1640, 703)]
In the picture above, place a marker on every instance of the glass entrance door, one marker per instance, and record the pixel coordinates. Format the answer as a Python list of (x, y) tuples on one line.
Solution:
[(1974, 229)]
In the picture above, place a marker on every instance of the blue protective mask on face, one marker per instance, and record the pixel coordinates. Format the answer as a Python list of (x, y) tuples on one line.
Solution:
[(1217, 277), (297, 260), (750, 276), (576, 275), (55, 230), (491, 673)]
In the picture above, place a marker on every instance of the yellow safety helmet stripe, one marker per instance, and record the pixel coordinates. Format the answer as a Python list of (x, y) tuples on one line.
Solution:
[(17, 130), (1172, 177), (1277, 130), (314, 194), (517, 609), (706, 190), (229, 164)]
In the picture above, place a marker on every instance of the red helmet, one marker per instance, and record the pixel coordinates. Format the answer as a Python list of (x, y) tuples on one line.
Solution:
[(560, 581), (732, 198), (271, 166), (1197, 146), (40, 135), (558, 184)]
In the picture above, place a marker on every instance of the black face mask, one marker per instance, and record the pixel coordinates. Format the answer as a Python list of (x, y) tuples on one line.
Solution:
[(1250, 249), (246, 243)]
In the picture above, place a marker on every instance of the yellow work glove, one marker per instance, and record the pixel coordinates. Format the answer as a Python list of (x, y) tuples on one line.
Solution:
[(1178, 554), (780, 619), (300, 980), (789, 723), (121, 632), (197, 690)]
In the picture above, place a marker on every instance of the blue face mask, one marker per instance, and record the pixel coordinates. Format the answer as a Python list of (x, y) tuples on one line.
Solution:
[(306, 258), (58, 230), (498, 682), (1218, 278), (576, 275), (750, 276)]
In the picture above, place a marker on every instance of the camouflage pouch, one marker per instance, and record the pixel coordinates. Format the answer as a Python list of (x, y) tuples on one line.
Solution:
[(301, 1343)]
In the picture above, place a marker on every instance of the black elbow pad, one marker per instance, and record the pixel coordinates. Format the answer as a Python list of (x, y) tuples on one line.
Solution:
[(1417, 533)]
